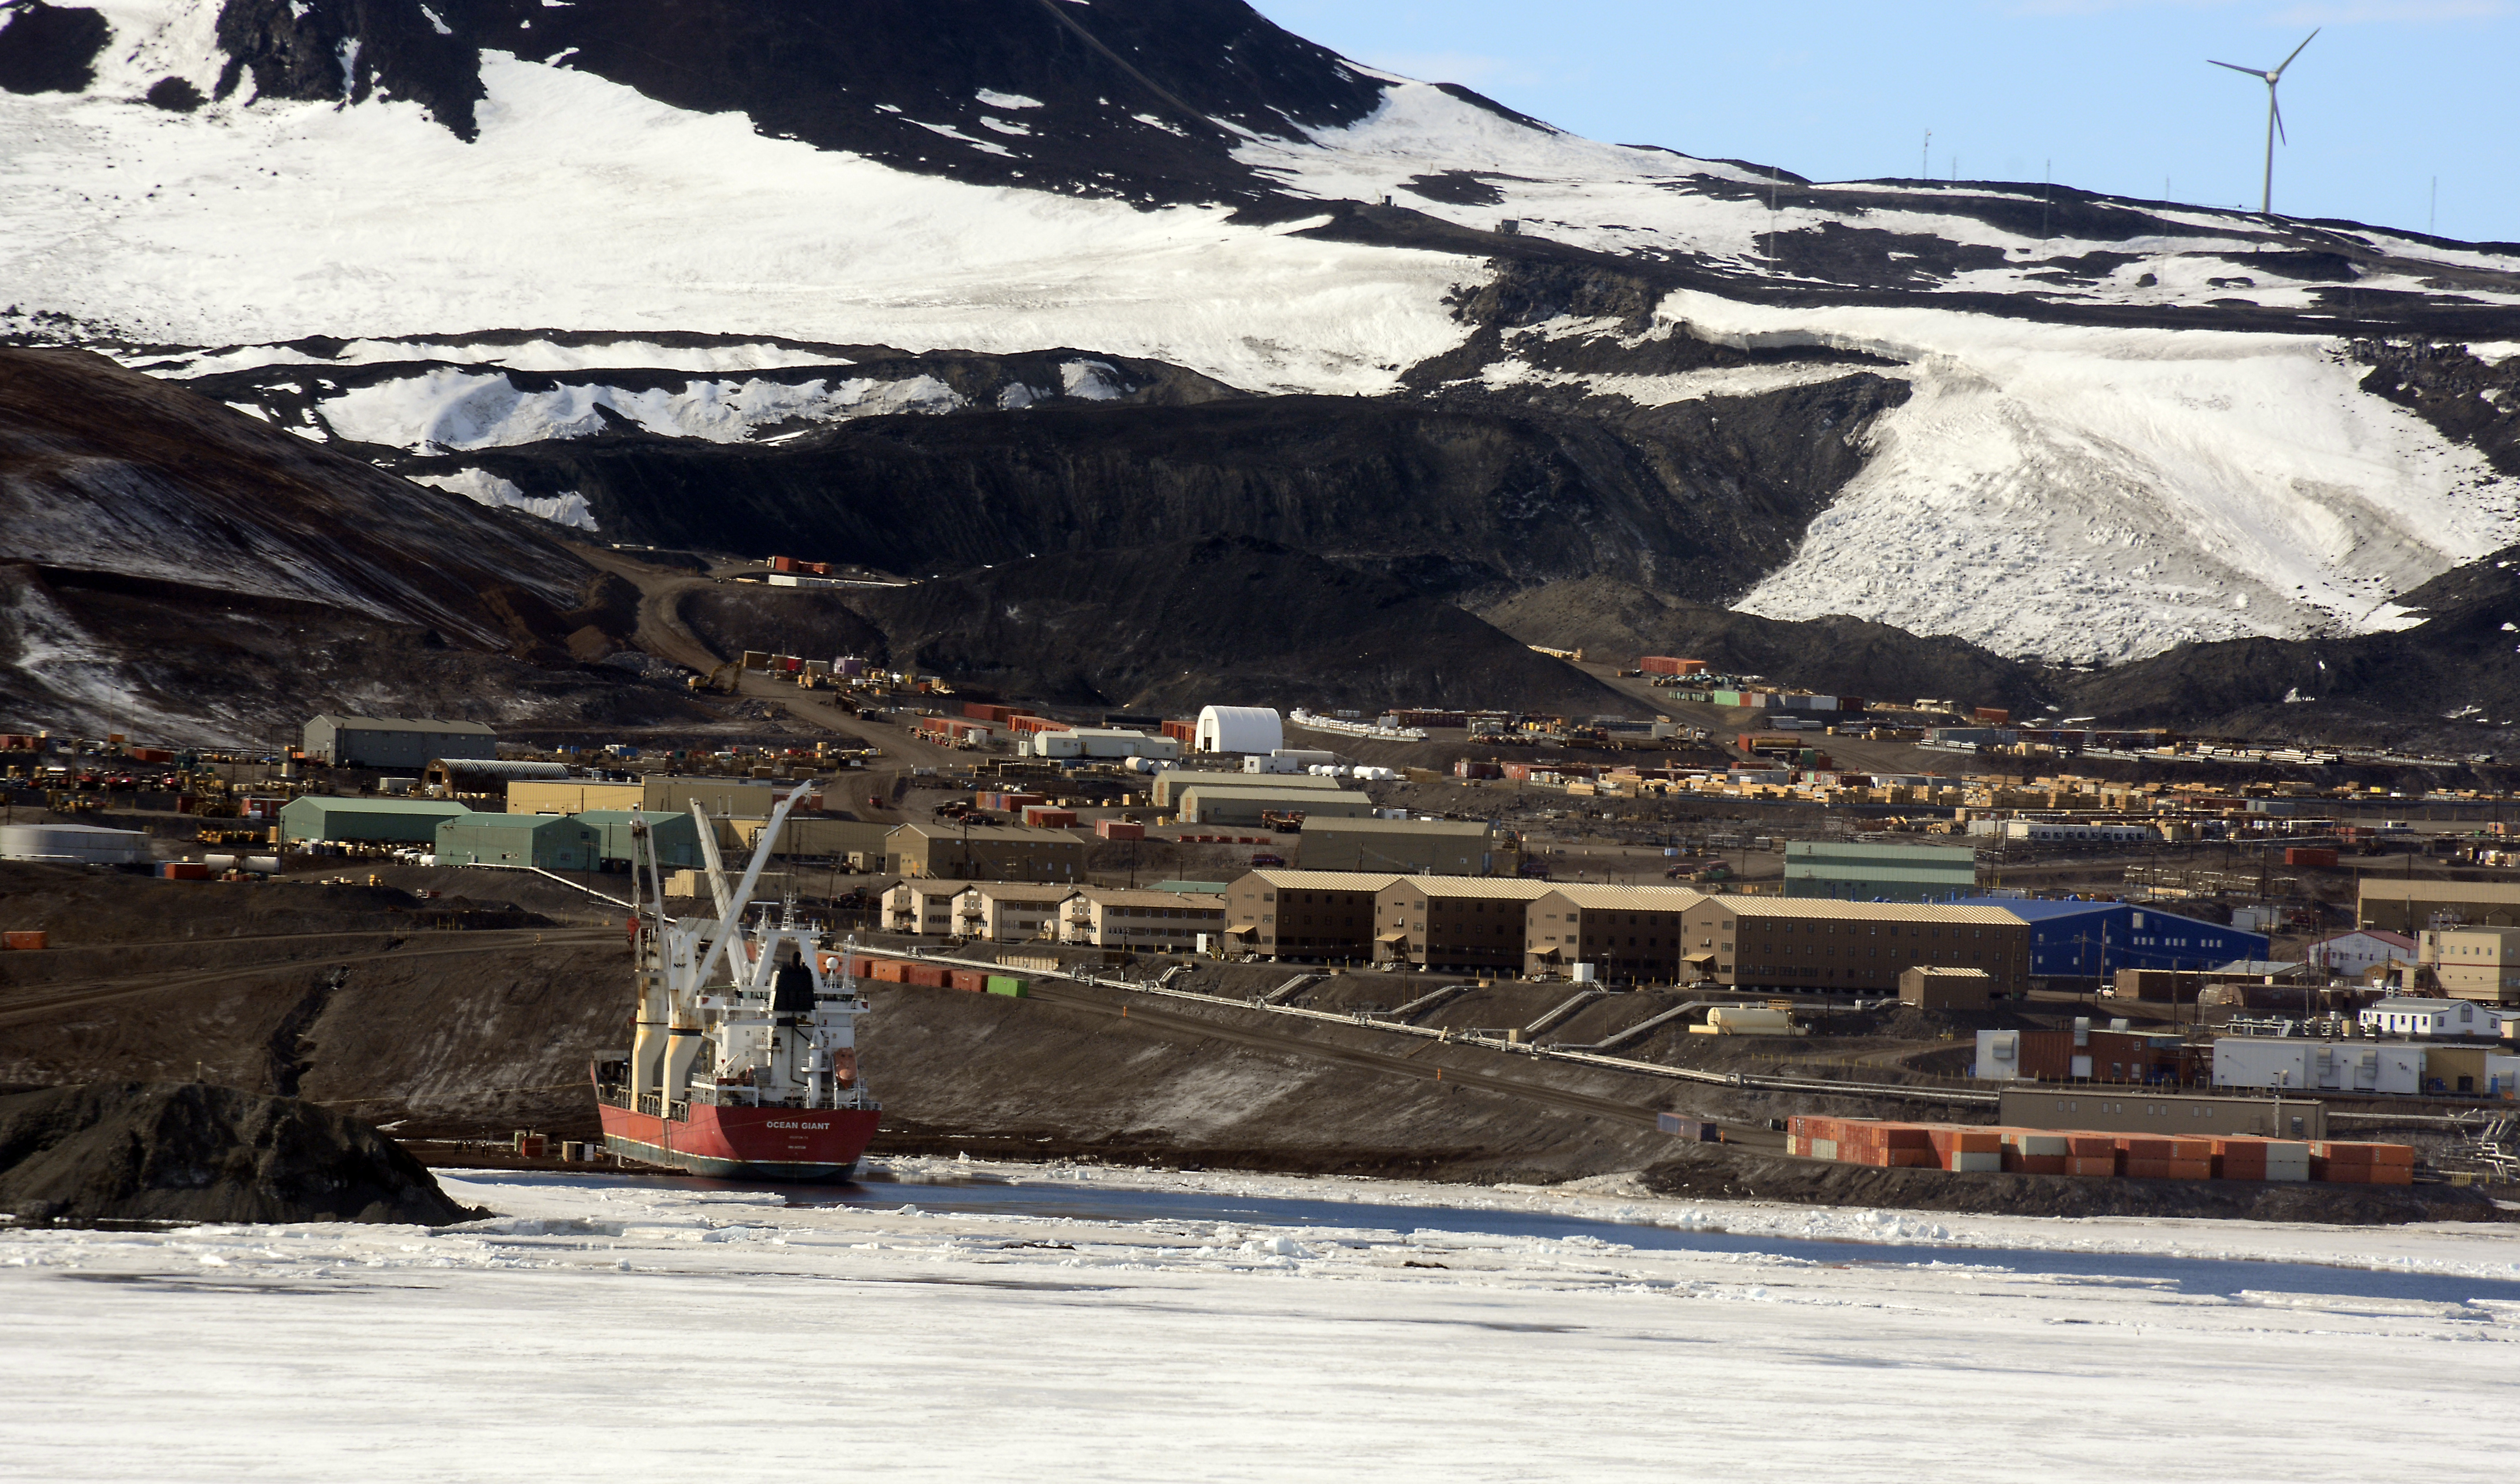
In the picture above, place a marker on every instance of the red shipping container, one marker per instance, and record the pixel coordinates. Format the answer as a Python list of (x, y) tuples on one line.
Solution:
[(2038, 1164), (969, 979), (21, 940), (2082, 1164), (1119, 829), (185, 870), (2169, 1169), (2309, 855), (1993, 716), (1042, 816)]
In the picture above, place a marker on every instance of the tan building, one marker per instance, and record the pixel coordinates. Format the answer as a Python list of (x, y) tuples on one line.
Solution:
[(1808, 943), (1930, 987), (1142, 921), (572, 796), (1628, 933), (1447, 847), (1228, 804), (2410, 907), (1323, 915), (921, 907), (855, 843), (987, 852), (2481, 963), (1170, 783), (1008, 911), (725, 798), (1470, 924)]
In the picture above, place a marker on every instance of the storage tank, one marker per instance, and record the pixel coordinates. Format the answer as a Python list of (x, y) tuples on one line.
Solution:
[(1239, 729), (72, 845), (1749, 1020)]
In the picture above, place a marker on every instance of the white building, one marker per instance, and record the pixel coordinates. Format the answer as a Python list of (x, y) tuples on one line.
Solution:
[(1239, 729), (1008, 911), (2048, 833), (2282, 1063), (2356, 954), (73, 844), (2430, 1017)]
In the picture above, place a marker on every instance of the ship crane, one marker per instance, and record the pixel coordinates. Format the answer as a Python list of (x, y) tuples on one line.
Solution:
[(744, 1055)]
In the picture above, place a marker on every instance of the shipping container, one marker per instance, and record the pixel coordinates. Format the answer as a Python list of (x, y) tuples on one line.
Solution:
[(1044, 816), (21, 940), (1119, 829), (1000, 984), (2309, 855), (185, 870)]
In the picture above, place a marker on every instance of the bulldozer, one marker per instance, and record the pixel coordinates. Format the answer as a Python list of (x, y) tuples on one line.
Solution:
[(723, 680)]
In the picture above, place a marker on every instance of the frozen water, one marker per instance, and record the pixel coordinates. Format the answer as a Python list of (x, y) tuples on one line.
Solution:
[(603, 1329)]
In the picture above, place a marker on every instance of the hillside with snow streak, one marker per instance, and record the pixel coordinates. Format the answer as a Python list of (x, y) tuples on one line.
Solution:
[(2082, 428)]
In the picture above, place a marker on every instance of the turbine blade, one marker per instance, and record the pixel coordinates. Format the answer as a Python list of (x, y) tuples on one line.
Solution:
[(2236, 66), (2296, 51), (2277, 109)]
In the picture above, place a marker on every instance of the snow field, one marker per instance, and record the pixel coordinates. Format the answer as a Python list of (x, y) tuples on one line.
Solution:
[(2101, 494), (585, 204), (605, 1330), (448, 408)]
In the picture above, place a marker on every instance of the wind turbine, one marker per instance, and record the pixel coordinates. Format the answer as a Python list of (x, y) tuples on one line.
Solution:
[(2274, 117)]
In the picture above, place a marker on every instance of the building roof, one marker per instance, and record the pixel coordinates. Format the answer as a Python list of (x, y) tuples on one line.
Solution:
[(2030, 910), (653, 817), (1002, 833), (403, 724), (1466, 828), (1880, 912), (526, 821), (1638, 898), (1923, 856), (1327, 881), (1193, 888), (2403, 1005), (2260, 967), (331, 804), (1491, 888), (1021, 891), (2393, 939), (1947, 972), (1265, 790), (1121, 896), (511, 769), (2400, 889)]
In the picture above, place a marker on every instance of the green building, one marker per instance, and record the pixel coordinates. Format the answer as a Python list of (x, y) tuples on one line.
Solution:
[(1849, 873), (412, 820), (552, 841), (675, 838)]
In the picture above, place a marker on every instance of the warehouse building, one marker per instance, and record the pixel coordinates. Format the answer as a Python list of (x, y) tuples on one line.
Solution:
[(1008, 911), (1169, 783), (1845, 872), (550, 842), (1863, 947), (736, 799), (856, 845), (1326, 915), (675, 839), (1142, 921), (395, 741), (2357, 953), (1243, 804), (987, 852), (393, 820), (2095, 940), (1630, 934), (1239, 729), (1447, 847), (573, 795), (73, 844), (1475, 924), (2408, 907)]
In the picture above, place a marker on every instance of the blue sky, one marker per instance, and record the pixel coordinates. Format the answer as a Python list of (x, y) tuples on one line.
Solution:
[(2116, 93)]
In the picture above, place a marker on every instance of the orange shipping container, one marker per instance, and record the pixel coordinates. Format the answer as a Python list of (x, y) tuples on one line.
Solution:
[(21, 940)]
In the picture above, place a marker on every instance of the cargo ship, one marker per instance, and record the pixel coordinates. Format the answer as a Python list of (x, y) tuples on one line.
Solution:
[(742, 1063)]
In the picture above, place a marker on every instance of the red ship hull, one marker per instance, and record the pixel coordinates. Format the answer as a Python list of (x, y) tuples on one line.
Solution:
[(744, 1142)]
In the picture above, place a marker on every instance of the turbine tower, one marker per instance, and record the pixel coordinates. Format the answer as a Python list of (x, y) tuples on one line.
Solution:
[(2274, 118)]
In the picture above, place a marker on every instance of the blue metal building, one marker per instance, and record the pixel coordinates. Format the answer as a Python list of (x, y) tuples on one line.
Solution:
[(2091, 940)]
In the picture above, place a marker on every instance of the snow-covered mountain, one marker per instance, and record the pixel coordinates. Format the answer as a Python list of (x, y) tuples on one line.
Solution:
[(474, 239)]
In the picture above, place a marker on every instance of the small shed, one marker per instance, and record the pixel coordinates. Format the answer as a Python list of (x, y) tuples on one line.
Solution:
[(403, 821), (675, 838), (551, 841), (1929, 986)]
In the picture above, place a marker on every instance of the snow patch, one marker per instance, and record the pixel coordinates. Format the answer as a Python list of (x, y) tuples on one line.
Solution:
[(482, 487), (456, 409), (997, 100), (1092, 381)]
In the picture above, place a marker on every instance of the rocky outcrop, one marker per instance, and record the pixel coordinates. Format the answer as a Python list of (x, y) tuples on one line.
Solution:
[(188, 1151)]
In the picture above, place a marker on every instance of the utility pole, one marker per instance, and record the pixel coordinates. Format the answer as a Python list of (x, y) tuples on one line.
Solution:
[(1924, 157)]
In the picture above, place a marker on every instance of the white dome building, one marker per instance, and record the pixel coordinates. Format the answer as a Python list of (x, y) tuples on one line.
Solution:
[(1239, 729)]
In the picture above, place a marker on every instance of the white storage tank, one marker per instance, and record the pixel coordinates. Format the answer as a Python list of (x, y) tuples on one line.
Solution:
[(72, 845)]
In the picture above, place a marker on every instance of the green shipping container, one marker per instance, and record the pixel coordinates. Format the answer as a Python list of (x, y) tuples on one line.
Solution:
[(1000, 984)]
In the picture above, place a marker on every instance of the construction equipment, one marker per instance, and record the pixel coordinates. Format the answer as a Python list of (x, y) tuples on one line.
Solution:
[(722, 680)]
